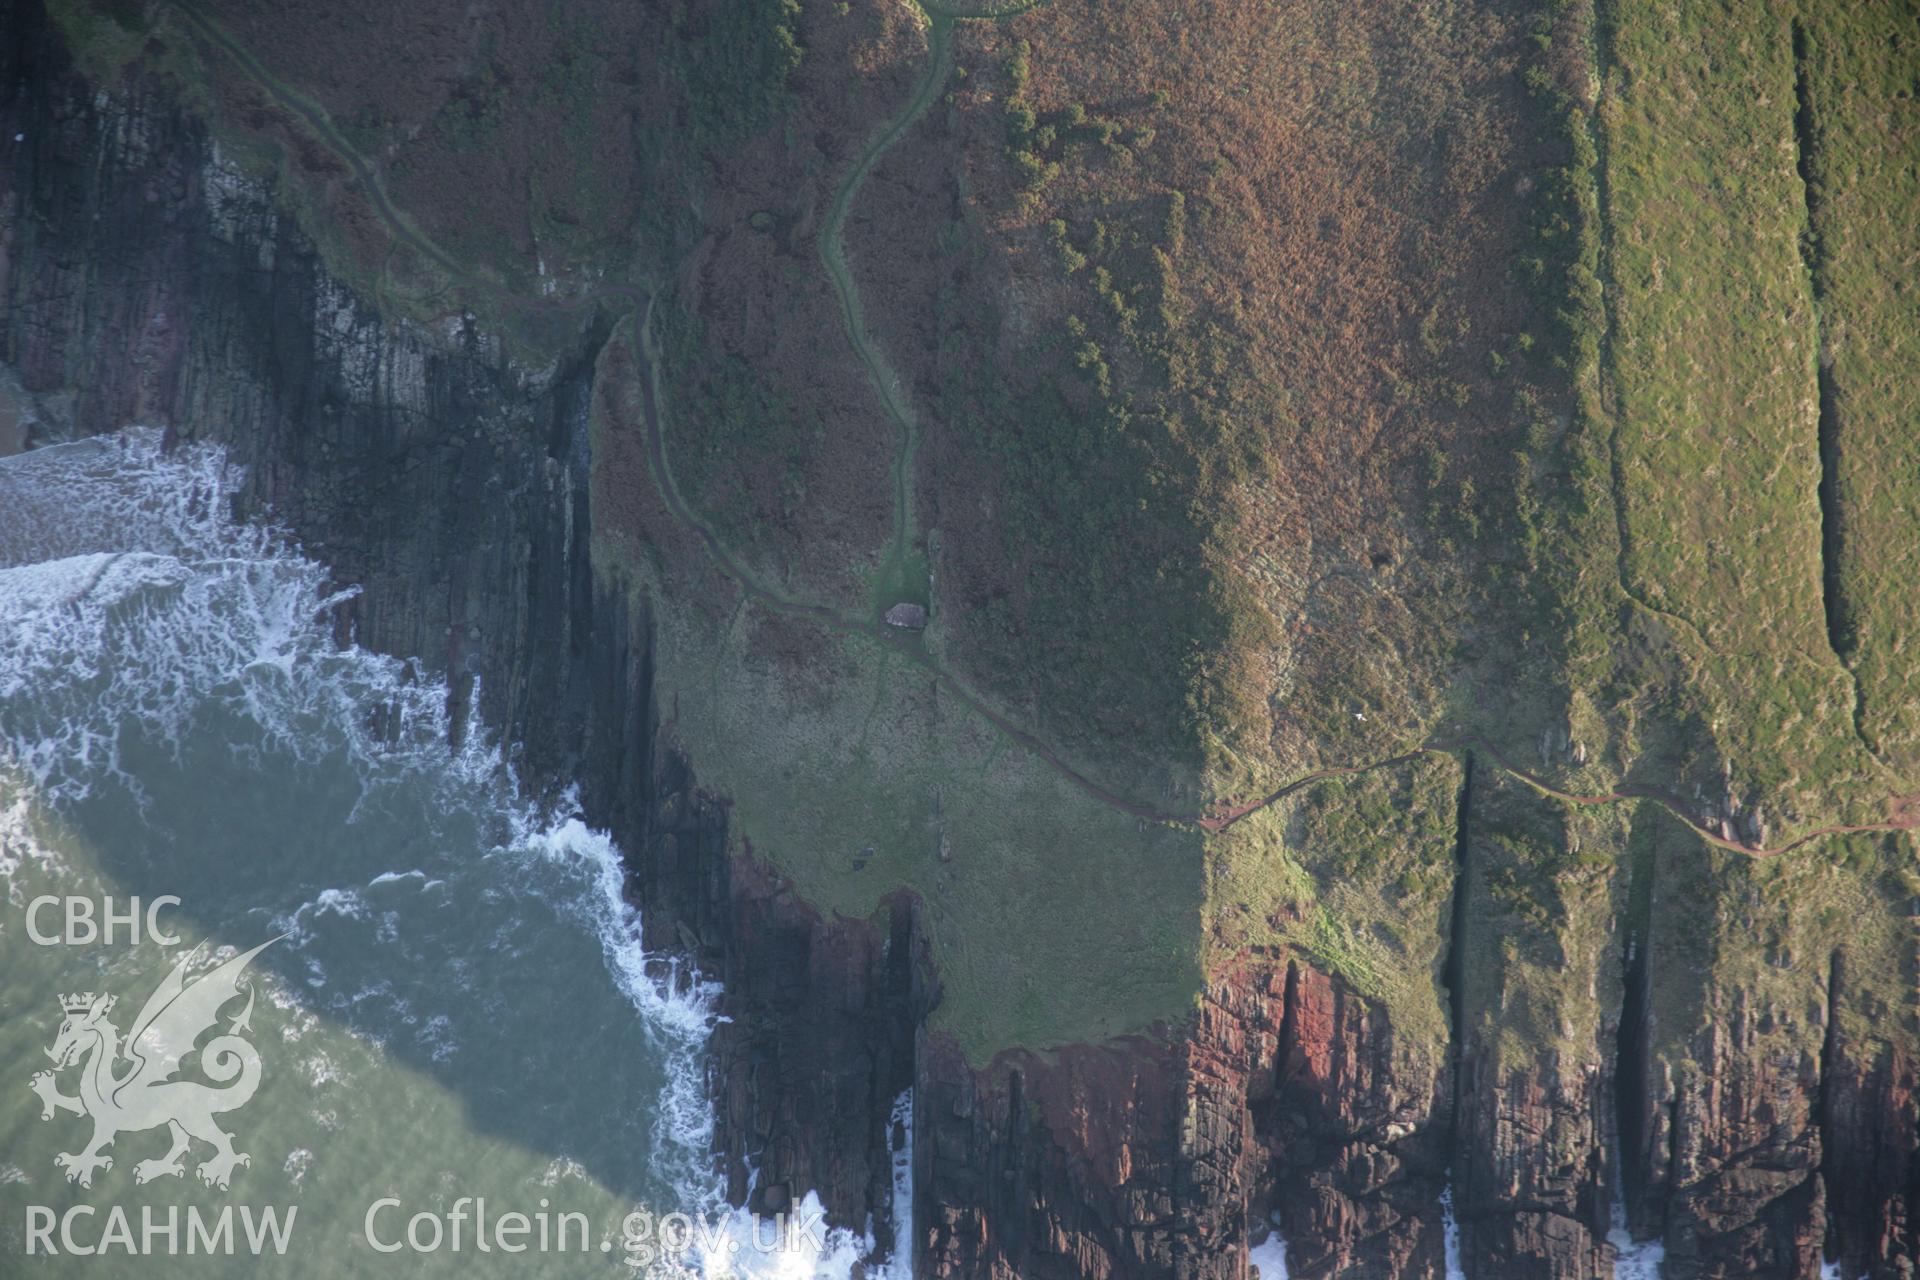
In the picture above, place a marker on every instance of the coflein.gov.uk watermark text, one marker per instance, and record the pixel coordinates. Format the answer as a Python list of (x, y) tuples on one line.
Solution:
[(644, 1239)]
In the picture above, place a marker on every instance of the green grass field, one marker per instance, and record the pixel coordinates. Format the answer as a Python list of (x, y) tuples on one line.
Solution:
[(1862, 92), (1216, 537), (1715, 405)]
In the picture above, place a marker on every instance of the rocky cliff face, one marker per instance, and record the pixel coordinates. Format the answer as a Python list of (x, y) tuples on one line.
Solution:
[(1282, 1103), (1870, 1158), (1354, 1132), (148, 278), (818, 1041), (1777, 1138)]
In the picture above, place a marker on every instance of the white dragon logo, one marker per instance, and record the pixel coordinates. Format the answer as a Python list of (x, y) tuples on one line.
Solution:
[(143, 1096)]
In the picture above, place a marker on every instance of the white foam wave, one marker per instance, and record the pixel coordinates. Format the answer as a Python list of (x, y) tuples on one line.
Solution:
[(120, 492), (900, 1261), (403, 877), (298, 1161), (563, 1167), (1455, 1271), (436, 1036), (1633, 1260), (18, 842), (678, 1008), (1269, 1257), (321, 1071), (130, 597)]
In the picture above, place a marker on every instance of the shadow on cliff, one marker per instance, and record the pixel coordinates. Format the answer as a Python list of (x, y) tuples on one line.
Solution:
[(446, 478)]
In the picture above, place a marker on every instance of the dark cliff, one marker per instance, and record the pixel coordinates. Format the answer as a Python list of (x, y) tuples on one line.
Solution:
[(146, 278)]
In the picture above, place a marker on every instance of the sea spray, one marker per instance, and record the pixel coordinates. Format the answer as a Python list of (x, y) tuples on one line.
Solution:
[(1633, 1260), (1451, 1235), (677, 1006), (130, 596), (900, 1265), (134, 609), (1269, 1257)]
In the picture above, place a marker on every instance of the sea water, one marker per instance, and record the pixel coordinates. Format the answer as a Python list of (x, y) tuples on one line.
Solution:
[(1269, 1257), (455, 1021), (1633, 1259)]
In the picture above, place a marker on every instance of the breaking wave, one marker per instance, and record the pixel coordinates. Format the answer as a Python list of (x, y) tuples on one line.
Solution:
[(1633, 1259), (1269, 1258), (133, 604), (131, 599), (1450, 1234)]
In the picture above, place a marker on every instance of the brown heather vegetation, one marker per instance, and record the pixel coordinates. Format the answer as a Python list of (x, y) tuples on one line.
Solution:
[(511, 138), (577, 141), (757, 364), (1220, 373), (1292, 384), (1215, 320)]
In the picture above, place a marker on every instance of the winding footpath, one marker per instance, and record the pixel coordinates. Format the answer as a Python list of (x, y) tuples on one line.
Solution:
[(1904, 813), (833, 256)]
